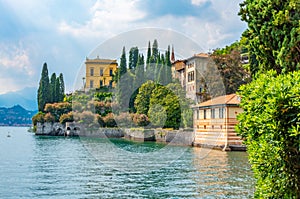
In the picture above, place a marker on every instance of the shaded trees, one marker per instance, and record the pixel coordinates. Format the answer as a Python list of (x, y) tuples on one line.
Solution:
[(231, 69), (50, 92), (43, 96), (273, 34)]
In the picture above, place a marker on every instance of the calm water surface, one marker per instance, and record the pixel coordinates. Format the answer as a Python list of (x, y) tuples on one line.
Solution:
[(58, 167)]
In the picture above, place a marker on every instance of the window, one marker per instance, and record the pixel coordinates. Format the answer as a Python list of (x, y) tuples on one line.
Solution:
[(197, 114), (101, 83), (221, 112), (91, 84), (204, 114), (101, 72), (110, 72), (212, 113), (110, 83), (92, 71), (191, 76)]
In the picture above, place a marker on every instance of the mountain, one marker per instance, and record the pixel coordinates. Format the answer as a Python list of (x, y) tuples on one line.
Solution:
[(15, 116), (26, 97)]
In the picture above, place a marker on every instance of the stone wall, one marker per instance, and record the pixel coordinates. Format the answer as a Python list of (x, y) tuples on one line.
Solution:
[(178, 137), (49, 128), (75, 129), (102, 133)]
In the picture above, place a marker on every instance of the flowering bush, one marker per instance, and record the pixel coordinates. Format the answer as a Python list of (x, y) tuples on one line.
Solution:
[(66, 118), (109, 120), (140, 119)]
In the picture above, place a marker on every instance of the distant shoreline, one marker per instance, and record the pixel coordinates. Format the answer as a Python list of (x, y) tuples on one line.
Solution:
[(16, 125)]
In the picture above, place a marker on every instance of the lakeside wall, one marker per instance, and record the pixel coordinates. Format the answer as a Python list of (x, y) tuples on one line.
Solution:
[(176, 137)]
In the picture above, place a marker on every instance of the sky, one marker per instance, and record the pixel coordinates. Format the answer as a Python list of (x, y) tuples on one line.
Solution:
[(64, 33)]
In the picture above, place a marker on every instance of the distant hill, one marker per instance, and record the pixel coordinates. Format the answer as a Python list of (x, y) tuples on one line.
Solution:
[(26, 97), (15, 116)]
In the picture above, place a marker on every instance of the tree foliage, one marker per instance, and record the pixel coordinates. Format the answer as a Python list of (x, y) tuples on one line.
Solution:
[(57, 109), (52, 88), (123, 64), (273, 33), (164, 100), (133, 58), (43, 96), (270, 125), (139, 73), (61, 92), (50, 91), (143, 98), (164, 105), (230, 67)]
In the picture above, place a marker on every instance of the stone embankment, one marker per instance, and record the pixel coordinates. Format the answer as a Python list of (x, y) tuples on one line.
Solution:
[(177, 137)]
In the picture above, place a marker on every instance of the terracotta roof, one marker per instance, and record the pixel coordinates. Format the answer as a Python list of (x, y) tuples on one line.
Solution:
[(179, 64), (101, 61), (201, 55), (232, 99)]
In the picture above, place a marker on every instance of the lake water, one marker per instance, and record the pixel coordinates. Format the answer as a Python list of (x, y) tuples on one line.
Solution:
[(58, 167)]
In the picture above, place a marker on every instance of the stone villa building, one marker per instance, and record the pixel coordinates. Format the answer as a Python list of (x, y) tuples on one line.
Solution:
[(190, 74), (99, 72), (214, 123)]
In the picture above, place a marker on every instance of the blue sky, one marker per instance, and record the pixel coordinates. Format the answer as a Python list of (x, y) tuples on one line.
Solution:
[(63, 33)]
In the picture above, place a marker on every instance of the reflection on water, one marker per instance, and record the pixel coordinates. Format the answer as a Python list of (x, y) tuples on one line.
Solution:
[(225, 174), (58, 167)]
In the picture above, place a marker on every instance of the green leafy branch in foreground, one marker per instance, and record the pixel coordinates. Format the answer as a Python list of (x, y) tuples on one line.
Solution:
[(270, 125)]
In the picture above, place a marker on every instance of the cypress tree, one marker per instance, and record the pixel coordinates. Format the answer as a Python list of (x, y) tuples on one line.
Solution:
[(148, 53), (133, 58), (53, 88), (155, 54), (57, 90), (162, 75), (157, 69), (123, 65), (44, 88), (61, 95), (139, 74), (122, 85), (168, 72)]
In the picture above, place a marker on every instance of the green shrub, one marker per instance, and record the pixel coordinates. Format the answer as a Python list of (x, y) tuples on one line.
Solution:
[(157, 115), (270, 125), (187, 117)]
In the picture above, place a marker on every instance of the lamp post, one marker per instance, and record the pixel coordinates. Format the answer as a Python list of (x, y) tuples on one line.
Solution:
[(83, 81)]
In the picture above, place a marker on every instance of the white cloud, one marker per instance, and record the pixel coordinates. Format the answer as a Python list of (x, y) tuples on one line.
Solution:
[(15, 58), (108, 18), (198, 2), (16, 68), (112, 17), (59, 34)]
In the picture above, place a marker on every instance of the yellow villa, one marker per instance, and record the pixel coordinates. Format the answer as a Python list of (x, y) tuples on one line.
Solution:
[(214, 123), (99, 72)]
